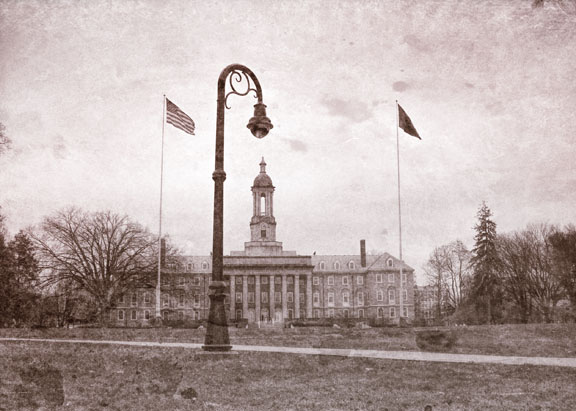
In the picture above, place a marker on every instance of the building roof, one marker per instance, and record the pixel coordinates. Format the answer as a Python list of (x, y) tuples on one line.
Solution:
[(374, 262)]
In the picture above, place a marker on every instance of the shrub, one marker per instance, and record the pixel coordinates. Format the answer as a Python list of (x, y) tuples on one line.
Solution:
[(436, 340)]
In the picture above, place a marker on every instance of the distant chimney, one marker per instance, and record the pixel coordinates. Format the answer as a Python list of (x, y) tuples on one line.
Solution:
[(363, 253)]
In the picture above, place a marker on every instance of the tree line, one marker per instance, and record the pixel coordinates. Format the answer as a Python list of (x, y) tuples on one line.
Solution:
[(520, 276), (74, 265)]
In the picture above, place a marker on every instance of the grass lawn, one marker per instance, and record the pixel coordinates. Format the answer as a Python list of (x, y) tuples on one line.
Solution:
[(86, 377), (547, 340)]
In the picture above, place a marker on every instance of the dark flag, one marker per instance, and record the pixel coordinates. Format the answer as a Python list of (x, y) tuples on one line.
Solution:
[(178, 118), (405, 123)]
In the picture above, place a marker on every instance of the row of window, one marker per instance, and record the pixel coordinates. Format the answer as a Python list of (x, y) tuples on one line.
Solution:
[(189, 267), (330, 297), (351, 265), (360, 279)]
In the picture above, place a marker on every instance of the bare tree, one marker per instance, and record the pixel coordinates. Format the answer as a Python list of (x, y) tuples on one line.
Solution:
[(564, 249), (434, 269), (103, 253), (514, 270), (526, 270)]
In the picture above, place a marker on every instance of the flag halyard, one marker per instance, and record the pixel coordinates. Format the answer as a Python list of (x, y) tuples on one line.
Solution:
[(178, 118), (405, 123)]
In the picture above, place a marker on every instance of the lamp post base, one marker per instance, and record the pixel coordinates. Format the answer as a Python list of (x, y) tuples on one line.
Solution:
[(217, 338)]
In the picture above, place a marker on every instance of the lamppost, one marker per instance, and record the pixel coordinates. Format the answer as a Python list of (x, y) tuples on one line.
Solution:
[(217, 338)]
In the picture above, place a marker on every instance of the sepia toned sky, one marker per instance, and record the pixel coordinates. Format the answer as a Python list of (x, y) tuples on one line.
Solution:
[(489, 86)]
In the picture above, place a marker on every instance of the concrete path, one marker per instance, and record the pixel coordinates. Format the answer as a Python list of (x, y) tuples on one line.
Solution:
[(385, 355)]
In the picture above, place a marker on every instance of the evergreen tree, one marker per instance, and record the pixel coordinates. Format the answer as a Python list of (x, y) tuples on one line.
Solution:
[(484, 262)]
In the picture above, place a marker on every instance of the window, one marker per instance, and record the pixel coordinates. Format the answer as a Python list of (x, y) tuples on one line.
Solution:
[(330, 280), (404, 278), (391, 297), (346, 298), (316, 313), (181, 300), (290, 297), (302, 298), (337, 265), (331, 313), (361, 313), (181, 280), (345, 313), (380, 313), (204, 265), (379, 295), (392, 312), (147, 298), (404, 311), (289, 280), (264, 297), (264, 280), (360, 298), (378, 278), (196, 300), (238, 280), (331, 299), (322, 265), (146, 315), (345, 280), (351, 265), (360, 280), (120, 314), (390, 263), (404, 296), (180, 315), (189, 267), (290, 314), (238, 297), (121, 299), (238, 314), (302, 314), (250, 280), (133, 315), (196, 281), (316, 280), (277, 297), (251, 298), (165, 300), (391, 278), (134, 300), (263, 230), (277, 280), (316, 298)]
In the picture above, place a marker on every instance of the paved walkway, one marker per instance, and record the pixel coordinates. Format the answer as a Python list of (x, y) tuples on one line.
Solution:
[(385, 355)]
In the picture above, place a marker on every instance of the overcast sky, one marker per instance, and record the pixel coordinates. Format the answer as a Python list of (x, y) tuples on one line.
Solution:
[(489, 85)]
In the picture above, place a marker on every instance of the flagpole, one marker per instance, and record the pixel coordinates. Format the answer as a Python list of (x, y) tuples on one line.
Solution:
[(158, 294), (399, 210)]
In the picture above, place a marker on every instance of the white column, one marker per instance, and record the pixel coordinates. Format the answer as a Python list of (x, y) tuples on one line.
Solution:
[(296, 296), (257, 297), (232, 297), (245, 296), (309, 295), (284, 299), (272, 302)]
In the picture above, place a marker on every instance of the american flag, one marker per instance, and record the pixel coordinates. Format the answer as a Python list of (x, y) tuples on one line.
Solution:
[(178, 118)]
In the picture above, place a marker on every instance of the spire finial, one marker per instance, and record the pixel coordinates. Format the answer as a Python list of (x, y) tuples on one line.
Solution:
[(262, 166)]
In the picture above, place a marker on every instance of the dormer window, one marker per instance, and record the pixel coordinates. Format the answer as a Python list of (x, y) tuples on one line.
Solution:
[(337, 265), (351, 265), (390, 263), (322, 265)]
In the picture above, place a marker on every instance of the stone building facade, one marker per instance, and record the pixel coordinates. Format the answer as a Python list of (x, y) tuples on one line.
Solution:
[(267, 284)]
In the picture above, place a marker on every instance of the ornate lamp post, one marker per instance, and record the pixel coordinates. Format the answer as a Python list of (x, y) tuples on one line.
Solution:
[(217, 338)]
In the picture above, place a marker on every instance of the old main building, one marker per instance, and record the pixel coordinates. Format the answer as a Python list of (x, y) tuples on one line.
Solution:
[(268, 284)]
